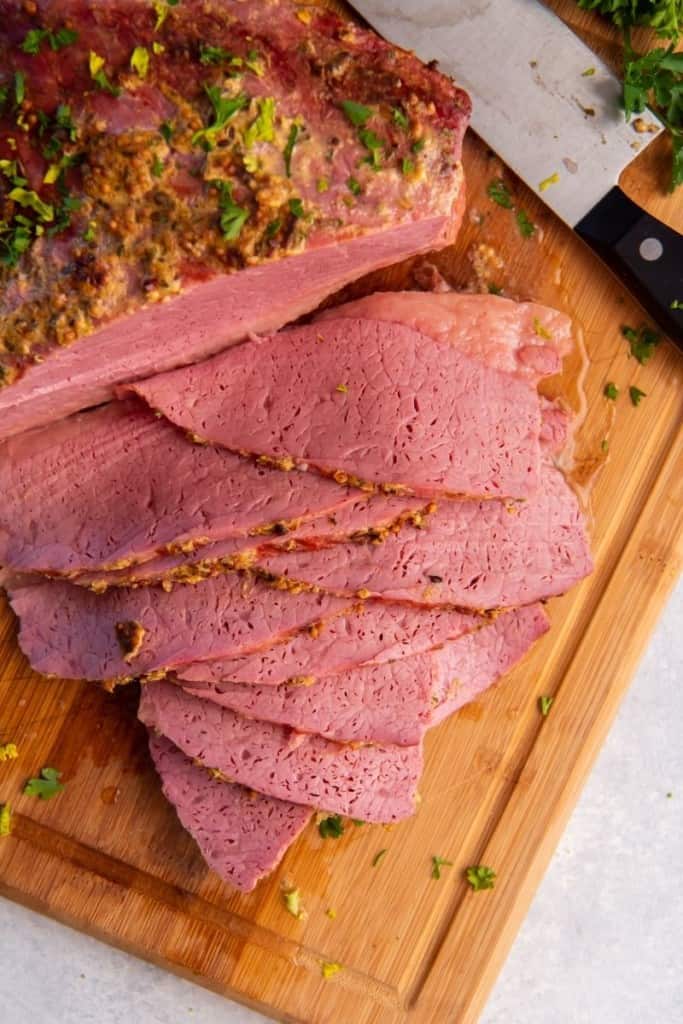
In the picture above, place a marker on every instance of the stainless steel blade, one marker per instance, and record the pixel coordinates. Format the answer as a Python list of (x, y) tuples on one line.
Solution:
[(536, 103)]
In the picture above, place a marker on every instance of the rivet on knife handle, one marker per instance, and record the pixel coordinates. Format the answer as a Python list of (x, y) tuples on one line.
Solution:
[(646, 254)]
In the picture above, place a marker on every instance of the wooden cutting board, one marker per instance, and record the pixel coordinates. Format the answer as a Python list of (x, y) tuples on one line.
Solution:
[(109, 857)]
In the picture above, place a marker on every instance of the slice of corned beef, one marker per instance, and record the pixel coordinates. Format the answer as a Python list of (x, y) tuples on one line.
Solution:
[(366, 517), (364, 400), (468, 554), (242, 835), (116, 485), (372, 633), (525, 339), (68, 631), (157, 252), (396, 701), (371, 782), (477, 660)]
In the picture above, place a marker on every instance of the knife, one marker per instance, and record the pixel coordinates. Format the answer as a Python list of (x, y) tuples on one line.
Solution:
[(550, 108)]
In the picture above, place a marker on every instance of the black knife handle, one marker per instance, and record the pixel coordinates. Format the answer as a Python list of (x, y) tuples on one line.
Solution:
[(646, 254)]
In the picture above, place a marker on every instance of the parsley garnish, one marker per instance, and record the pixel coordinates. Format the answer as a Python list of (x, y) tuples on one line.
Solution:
[(636, 394), (216, 55), (356, 113), (676, 304), (296, 208), (642, 341), (162, 11), (495, 289), (47, 786), (437, 864), (157, 166), (354, 186), (611, 391), (292, 901), (526, 226), (262, 128), (99, 75), (139, 61), (499, 193), (289, 148), (418, 145), (19, 87), (407, 165), (5, 820), (332, 827), (540, 330), (233, 217), (273, 227), (32, 201), (166, 131), (374, 145), (378, 857), (224, 108), (399, 118), (545, 704), (56, 40), (480, 877)]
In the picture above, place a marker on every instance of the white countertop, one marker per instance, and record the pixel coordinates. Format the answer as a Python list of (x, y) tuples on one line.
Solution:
[(601, 945)]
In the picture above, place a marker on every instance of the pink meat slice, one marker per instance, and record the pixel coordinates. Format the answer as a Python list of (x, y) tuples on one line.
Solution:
[(242, 835), (525, 339), (374, 633), (468, 554), (396, 701), (69, 631), (118, 484), (376, 400), (370, 782), (221, 288)]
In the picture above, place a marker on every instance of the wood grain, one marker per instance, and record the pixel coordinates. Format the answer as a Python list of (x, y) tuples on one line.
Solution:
[(109, 857)]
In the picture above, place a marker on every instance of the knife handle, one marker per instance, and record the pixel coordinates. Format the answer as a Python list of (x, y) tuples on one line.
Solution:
[(646, 254)]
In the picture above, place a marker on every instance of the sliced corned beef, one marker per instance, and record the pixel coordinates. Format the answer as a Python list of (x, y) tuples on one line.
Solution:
[(396, 701), (242, 835), (522, 338), (115, 485), (468, 554), (68, 631), (367, 400), (375, 632), (156, 253), (371, 782)]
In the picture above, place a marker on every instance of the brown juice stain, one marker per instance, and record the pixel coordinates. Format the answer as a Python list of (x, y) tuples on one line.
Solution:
[(110, 794)]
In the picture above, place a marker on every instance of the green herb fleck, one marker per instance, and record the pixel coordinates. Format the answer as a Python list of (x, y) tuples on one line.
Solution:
[(357, 822), (499, 193), (216, 55), (232, 216), (354, 186), (19, 87), (545, 704), (676, 304), (296, 207), (400, 118), (273, 227), (611, 391), (292, 901), (166, 131), (552, 179), (26, 198), (45, 787), (322, 184), (99, 76), (262, 128), (332, 827), (540, 330), (526, 226), (374, 146), (56, 40), (357, 113), (437, 864), (162, 9), (588, 72), (642, 342), (407, 166), (418, 145), (480, 877), (157, 166), (378, 857), (495, 289), (636, 395), (5, 820), (289, 148), (254, 61), (90, 233), (224, 108), (139, 61)]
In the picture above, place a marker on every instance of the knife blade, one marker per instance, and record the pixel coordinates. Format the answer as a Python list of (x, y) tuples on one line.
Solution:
[(550, 108)]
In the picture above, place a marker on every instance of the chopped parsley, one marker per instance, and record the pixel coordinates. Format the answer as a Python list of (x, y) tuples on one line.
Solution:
[(540, 330), (273, 227), (526, 226), (5, 820), (354, 186), (157, 166), (289, 148), (635, 394), (224, 108), (611, 391), (545, 704), (45, 787), (139, 61), (19, 87), (676, 304), (90, 233), (99, 75), (166, 131), (296, 208), (322, 184), (480, 877), (642, 342), (27, 198), (357, 113), (378, 857), (499, 193), (292, 901), (400, 118), (495, 289), (262, 128), (254, 61), (217, 55), (232, 216), (8, 751), (437, 864), (374, 146), (588, 72), (407, 165), (332, 827), (552, 179), (56, 40), (329, 968), (418, 145), (162, 9)]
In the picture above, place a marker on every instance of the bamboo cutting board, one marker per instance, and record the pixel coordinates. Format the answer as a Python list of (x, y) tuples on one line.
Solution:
[(109, 857)]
